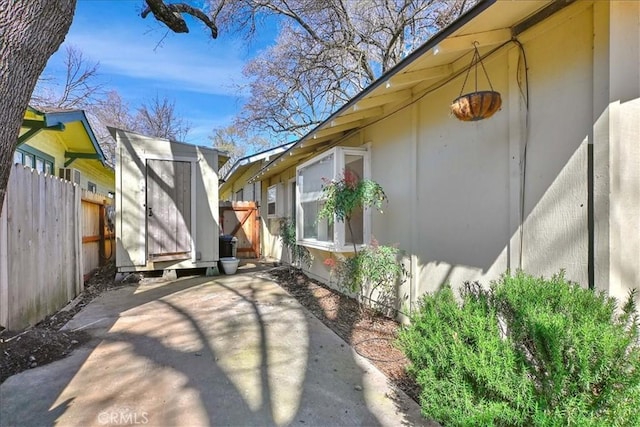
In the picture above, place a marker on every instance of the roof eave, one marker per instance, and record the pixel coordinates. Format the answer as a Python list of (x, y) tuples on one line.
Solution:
[(57, 118), (252, 158), (412, 57)]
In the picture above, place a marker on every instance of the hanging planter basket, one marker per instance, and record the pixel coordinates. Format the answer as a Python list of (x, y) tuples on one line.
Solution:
[(476, 105)]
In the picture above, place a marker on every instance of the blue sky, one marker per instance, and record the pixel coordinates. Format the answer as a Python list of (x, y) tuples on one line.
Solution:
[(193, 69)]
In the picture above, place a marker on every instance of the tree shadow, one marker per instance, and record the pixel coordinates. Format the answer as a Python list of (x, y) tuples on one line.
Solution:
[(236, 350)]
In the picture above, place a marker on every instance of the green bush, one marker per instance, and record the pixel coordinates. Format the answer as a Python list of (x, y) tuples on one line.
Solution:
[(527, 351), (373, 273), (300, 256)]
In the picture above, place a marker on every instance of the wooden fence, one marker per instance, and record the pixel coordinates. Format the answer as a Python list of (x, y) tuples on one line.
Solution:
[(97, 239), (47, 228)]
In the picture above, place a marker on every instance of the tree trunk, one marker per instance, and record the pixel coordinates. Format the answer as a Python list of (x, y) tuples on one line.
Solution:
[(30, 32)]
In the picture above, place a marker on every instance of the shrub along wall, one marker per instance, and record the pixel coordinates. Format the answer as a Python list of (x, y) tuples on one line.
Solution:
[(527, 351)]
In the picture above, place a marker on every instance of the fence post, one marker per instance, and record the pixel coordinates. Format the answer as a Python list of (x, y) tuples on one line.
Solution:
[(77, 193), (101, 248)]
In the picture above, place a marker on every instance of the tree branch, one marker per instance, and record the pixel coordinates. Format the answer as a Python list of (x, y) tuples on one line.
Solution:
[(169, 14)]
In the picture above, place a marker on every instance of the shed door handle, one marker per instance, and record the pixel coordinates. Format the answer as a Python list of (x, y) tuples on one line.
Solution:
[(150, 211)]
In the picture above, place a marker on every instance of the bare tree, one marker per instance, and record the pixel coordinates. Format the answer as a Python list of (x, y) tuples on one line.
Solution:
[(338, 48), (158, 118), (327, 51), (113, 111), (228, 140), (30, 32), (236, 142), (79, 89)]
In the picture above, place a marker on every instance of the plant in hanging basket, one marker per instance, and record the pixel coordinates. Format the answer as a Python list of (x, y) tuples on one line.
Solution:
[(476, 105)]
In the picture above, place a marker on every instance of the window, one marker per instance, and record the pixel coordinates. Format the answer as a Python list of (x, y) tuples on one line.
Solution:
[(310, 178), (275, 199), (33, 158), (91, 187), (240, 195), (28, 160)]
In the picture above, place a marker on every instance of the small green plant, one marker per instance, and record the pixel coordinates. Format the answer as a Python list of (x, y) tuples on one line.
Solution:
[(372, 272), (527, 351), (300, 256)]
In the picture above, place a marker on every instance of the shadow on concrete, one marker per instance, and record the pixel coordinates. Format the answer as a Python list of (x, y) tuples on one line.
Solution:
[(228, 350)]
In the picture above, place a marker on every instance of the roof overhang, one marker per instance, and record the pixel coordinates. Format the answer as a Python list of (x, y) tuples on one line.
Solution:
[(74, 128), (490, 25), (244, 163)]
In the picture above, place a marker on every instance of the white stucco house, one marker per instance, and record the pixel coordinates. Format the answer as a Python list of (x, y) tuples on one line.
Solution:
[(550, 182)]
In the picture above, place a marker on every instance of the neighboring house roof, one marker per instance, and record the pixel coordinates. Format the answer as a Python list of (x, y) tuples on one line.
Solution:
[(244, 163), (491, 24), (71, 123)]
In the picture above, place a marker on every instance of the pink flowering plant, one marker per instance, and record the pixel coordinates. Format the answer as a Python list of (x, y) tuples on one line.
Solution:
[(342, 197), (374, 270)]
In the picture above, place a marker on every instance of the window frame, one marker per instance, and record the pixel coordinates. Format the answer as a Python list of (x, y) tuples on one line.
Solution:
[(292, 198), (278, 208), (25, 151), (337, 244)]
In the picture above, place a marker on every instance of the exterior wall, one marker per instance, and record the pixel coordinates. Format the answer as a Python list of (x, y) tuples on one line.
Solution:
[(616, 154), (624, 217), (51, 143), (131, 155), (270, 230), (251, 192), (470, 200), (48, 142), (93, 171)]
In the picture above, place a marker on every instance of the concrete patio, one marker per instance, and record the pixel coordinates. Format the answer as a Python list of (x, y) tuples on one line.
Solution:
[(225, 350)]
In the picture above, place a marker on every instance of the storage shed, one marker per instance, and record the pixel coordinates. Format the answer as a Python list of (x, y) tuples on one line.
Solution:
[(166, 203)]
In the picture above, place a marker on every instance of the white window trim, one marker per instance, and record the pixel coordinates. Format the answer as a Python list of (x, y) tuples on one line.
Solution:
[(290, 206), (339, 228), (279, 202)]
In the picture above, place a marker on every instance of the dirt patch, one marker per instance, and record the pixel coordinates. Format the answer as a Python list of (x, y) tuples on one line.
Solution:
[(370, 334), (45, 342)]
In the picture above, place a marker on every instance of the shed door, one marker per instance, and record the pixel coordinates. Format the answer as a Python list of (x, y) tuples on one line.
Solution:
[(168, 210)]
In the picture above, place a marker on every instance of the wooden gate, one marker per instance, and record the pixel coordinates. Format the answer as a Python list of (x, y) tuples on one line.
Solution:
[(241, 219), (97, 237), (168, 210)]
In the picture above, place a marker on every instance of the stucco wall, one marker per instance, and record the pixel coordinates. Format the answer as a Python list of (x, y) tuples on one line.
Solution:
[(270, 227), (455, 189)]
